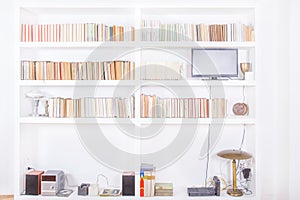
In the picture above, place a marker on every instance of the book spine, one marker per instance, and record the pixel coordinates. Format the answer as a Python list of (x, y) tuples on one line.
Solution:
[(142, 184)]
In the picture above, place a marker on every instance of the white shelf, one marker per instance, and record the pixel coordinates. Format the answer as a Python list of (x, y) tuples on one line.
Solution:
[(74, 83), (178, 196), (75, 197), (199, 83), (137, 44), (179, 83), (142, 121)]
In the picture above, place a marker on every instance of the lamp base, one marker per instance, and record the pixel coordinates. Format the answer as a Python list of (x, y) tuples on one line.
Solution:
[(235, 193)]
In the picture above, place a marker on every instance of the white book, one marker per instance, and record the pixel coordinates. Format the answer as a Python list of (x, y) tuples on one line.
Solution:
[(50, 107)]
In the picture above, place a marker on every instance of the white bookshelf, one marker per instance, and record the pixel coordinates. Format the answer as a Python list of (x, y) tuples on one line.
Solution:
[(113, 83), (32, 130), (200, 121), (140, 44)]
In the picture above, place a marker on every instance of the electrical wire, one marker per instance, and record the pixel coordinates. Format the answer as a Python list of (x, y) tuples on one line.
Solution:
[(67, 181), (243, 137), (105, 177), (244, 94), (207, 156)]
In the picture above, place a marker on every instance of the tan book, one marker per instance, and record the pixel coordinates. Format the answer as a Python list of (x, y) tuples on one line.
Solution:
[(32, 72), (142, 105), (146, 105), (62, 107), (62, 71), (118, 70), (69, 107), (57, 71), (207, 103), (154, 103), (74, 71), (78, 107), (113, 70), (67, 69), (89, 70), (132, 70), (39, 69), (127, 70), (48, 71)]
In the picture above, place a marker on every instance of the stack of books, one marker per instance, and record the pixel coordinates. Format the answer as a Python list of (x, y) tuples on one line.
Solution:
[(147, 180), (163, 189)]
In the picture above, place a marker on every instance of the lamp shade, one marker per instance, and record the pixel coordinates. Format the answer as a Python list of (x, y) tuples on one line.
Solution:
[(234, 154)]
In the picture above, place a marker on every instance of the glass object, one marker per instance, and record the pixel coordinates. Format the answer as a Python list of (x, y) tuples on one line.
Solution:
[(245, 67), (39, 103)]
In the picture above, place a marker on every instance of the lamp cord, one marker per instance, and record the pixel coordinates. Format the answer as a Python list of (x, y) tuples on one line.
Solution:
[(243, 137), (207, 156)]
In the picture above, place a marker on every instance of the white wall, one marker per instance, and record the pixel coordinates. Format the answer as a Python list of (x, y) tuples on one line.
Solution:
[(273, 98), (277, 94), (7, 111), (294, 99)]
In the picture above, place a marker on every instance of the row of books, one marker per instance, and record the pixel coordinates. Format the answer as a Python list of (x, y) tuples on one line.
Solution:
[(91, 107), (154, 30), (82, 32), (48, 70), (162, 71), (153, 106), (219, 108), (147, 180), (163, 189)]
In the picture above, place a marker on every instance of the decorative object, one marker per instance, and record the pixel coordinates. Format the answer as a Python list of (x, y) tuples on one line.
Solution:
[(245, 67), (240, 109), (249, 76), (234, 154), (37, 96)]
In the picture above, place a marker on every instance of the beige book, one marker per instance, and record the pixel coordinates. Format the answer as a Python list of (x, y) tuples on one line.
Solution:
[(69, 107), (118, 70)]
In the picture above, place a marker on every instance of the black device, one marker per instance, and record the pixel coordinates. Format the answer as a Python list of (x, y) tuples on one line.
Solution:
[(128, 184), (83, 189), (217, 184), (33, 182), (206, 191), (201, 191), (214, 62)]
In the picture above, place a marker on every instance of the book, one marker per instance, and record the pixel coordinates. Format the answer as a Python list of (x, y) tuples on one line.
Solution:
[(75, 32), (147, 180)]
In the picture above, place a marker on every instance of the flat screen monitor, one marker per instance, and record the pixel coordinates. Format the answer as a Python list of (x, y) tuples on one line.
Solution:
[(214, 63)]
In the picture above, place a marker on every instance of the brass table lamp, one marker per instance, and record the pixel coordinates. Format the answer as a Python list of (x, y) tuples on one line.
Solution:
[(234, 155)]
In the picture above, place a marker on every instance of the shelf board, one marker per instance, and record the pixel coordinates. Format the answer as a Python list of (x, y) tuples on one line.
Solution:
[(199, 83), (180, 196), (200, 121), (77, 83), (138, 44), (136, 121), (121, 83)]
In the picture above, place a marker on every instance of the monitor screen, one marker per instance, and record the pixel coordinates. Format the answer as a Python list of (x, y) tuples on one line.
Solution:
[(214, 63)]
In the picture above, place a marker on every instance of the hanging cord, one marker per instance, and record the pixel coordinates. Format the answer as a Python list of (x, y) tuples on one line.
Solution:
[(67, 181), (105, 177), (244, 94), (243, 138), (207, 155)]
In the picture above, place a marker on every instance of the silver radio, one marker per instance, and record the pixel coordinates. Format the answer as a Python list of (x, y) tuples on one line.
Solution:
[(52, 182)]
